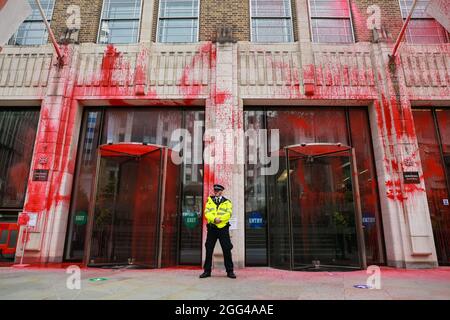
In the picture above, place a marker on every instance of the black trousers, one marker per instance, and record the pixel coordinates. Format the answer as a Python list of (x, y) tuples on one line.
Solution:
[(223, 235)]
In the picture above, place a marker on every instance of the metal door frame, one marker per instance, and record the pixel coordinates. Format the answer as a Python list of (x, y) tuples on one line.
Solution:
[(356, 199), (161, 203), (160, 210)]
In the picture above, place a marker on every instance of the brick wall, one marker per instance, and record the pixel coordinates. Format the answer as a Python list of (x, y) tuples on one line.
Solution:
[(90, 18), (234, 13), (391, 17)]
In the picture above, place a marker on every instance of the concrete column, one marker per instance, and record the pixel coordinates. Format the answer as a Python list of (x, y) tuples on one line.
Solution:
[(224, 114), (406, 219), (305, 47), (148, 7), (55, 151), (303, 28)]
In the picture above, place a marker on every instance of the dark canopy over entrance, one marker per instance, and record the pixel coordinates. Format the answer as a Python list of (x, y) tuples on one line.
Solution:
[(315, 214)]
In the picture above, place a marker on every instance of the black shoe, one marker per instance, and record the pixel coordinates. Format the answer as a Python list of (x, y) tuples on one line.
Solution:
[(205, 275), (231, 275)]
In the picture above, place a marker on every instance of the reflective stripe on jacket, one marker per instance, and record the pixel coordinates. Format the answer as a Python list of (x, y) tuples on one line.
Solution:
[(223, 211)]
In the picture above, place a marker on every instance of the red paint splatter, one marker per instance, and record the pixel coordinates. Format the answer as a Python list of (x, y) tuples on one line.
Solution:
[(221, 97), (395, 192), (140, 75), (109, 62), (395, 165)]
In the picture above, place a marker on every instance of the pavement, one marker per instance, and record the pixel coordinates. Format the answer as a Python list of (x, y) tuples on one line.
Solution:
[(33, 283)]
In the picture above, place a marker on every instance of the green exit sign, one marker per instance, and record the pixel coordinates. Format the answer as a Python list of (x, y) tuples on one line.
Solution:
[(81, 218)]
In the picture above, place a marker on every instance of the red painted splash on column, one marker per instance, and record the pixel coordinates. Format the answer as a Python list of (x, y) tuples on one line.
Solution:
[(394, 190), (308, 79), (403, 125), (64, 161), (399, 124), (109, 62), (221, 97), (395, 165), (387, 116), (190, 87), (140, 74), (380, 122), (52, 148)]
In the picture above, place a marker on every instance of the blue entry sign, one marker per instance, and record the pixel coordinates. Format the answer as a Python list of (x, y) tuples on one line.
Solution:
[(255, 220), (368, 219)]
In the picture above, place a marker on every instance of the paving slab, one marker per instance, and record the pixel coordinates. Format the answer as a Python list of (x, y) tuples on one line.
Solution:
[(252, 284)]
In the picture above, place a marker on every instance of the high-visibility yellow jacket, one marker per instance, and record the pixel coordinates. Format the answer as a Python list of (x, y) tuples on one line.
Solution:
[(223, 211)]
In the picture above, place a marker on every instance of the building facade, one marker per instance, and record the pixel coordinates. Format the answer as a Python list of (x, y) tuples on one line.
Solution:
[(333, 152)]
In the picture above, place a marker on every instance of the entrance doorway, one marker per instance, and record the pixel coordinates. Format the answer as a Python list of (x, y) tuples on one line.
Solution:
[(323, 221), (129, 222), (268, 240), (432, 127), (123, 150)]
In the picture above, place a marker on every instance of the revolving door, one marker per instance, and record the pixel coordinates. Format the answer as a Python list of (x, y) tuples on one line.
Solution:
[(128, 221), (314, 210)]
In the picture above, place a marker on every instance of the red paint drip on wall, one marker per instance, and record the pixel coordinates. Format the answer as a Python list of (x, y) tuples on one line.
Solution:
[(108, 65)]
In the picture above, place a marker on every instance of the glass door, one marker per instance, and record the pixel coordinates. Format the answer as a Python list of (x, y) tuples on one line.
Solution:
[(169, 220), (124, 226), (279, 217), (433, 136), (324, 209)]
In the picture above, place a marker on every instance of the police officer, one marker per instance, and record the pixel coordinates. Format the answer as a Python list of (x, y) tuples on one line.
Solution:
[(218, 212)]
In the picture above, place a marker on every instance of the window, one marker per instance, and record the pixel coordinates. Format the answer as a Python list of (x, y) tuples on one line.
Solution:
[(120, 21), (13, 239), (17, 135), (178, 21), (331, 21), (271, 21), (33, 31), (422, 28), (4, 236)]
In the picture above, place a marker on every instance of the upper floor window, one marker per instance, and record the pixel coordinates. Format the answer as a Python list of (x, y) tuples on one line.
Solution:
[(33, 31), (271, 21), (331, 21), (178, 20), (120, 21), (422, 28)]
